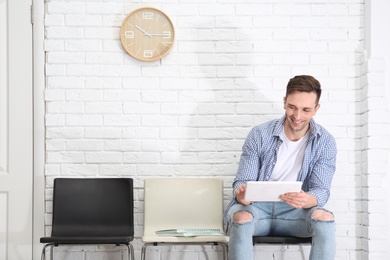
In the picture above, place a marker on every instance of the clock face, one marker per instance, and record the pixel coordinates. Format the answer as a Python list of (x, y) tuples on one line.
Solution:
[(147, 34)]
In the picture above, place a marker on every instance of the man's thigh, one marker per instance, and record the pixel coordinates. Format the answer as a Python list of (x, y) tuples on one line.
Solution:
[(290, 221), (260, 216)]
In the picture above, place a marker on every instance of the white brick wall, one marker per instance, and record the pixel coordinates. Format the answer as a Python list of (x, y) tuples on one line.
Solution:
[(188, 114)]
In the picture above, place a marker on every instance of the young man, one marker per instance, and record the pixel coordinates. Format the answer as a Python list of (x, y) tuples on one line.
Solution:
[(292, 148)]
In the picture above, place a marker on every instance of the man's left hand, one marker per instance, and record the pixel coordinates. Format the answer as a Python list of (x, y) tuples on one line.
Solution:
[(299, 199)]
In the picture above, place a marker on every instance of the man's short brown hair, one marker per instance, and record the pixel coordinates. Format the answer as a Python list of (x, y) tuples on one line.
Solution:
[(304, 83)]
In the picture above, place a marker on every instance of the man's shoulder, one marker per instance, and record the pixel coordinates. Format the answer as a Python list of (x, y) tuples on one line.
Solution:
[(266, 131), (323, 135), (321, 130), (268, 125)]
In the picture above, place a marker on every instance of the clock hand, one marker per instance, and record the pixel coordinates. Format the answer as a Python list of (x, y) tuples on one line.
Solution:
[(161, 34), (145, 33)]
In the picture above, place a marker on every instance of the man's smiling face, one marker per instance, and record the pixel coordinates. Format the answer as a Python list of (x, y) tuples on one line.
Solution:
[(300, 108)]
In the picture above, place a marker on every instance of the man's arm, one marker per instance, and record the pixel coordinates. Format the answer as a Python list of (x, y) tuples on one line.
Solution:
[(322, 173), (318, 188), (249, 164), (248, 168)]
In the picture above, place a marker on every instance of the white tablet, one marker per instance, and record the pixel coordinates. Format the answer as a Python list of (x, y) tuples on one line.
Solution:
[(270, 190)]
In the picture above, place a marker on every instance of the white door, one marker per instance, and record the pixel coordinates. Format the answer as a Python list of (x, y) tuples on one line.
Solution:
[(16, 132)]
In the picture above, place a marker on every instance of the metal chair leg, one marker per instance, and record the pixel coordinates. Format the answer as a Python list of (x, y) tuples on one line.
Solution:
[(143, 251), (225, 249), (43, 254), (130, 250)]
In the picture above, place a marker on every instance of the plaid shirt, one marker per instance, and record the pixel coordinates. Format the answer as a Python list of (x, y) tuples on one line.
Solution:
[(259, 155)]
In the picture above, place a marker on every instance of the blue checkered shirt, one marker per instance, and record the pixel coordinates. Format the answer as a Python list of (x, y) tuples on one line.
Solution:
[(259, 155)]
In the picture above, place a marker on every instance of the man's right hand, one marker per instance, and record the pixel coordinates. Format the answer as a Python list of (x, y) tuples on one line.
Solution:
[(240, 193)]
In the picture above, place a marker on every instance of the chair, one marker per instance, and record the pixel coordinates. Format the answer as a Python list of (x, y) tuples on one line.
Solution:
[(183, 203), (281, 240), (92, 211)]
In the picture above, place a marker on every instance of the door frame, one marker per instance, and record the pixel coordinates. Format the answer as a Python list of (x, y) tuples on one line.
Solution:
[(39, 126)]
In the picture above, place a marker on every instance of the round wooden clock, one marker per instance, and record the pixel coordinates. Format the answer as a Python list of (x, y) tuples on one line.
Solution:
[(147, 34)]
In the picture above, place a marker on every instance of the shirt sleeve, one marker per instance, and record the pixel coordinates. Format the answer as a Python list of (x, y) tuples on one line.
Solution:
[(322, 173), (249, 161)]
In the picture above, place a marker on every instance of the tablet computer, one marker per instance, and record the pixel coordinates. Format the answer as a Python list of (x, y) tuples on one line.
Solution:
[(270, 190)]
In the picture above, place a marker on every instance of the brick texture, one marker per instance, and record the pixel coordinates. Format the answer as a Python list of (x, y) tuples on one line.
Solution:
[(188, 114)]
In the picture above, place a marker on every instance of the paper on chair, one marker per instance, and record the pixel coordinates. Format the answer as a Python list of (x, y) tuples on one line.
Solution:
[(190, 232)]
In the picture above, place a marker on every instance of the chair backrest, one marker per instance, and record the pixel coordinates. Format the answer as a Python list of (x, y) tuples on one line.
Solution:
[(182, 203), (93, 207)]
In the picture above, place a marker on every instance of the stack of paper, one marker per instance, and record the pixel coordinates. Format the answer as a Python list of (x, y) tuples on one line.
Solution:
[(190, 232)]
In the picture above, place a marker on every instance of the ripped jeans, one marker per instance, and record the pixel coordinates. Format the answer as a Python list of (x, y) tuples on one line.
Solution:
[(280, 219)]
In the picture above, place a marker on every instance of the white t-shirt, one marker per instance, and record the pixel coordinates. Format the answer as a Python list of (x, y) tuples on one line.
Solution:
[(289, 159)]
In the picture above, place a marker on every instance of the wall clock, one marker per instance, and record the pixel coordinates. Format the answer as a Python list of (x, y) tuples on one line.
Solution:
[(147, 34)]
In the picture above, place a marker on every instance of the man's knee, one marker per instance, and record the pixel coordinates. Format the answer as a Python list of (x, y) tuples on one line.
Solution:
[(242, 217), (322, 215)]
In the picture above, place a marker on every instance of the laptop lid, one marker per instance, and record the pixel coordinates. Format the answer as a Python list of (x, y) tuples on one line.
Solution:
[(270, 190)]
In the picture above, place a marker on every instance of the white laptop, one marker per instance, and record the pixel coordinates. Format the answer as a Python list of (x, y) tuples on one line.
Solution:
[(270, 190)]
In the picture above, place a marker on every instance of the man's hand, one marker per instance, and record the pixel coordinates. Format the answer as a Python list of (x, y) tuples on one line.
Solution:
[(240, 193), (299, 199)]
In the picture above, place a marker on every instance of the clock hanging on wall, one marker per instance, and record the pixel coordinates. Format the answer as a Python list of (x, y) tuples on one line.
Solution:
[(147, 34)]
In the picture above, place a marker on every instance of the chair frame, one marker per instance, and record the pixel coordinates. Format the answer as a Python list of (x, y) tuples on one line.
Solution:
[(280, 240), (150, 239), (225, 246), (130, 249), (69, 221)]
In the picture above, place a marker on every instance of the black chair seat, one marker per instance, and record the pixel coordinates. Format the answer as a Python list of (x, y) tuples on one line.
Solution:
[(280, 240), (87, 240)]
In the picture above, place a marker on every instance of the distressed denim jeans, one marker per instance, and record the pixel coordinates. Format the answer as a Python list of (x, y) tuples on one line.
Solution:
[(280, 219)]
